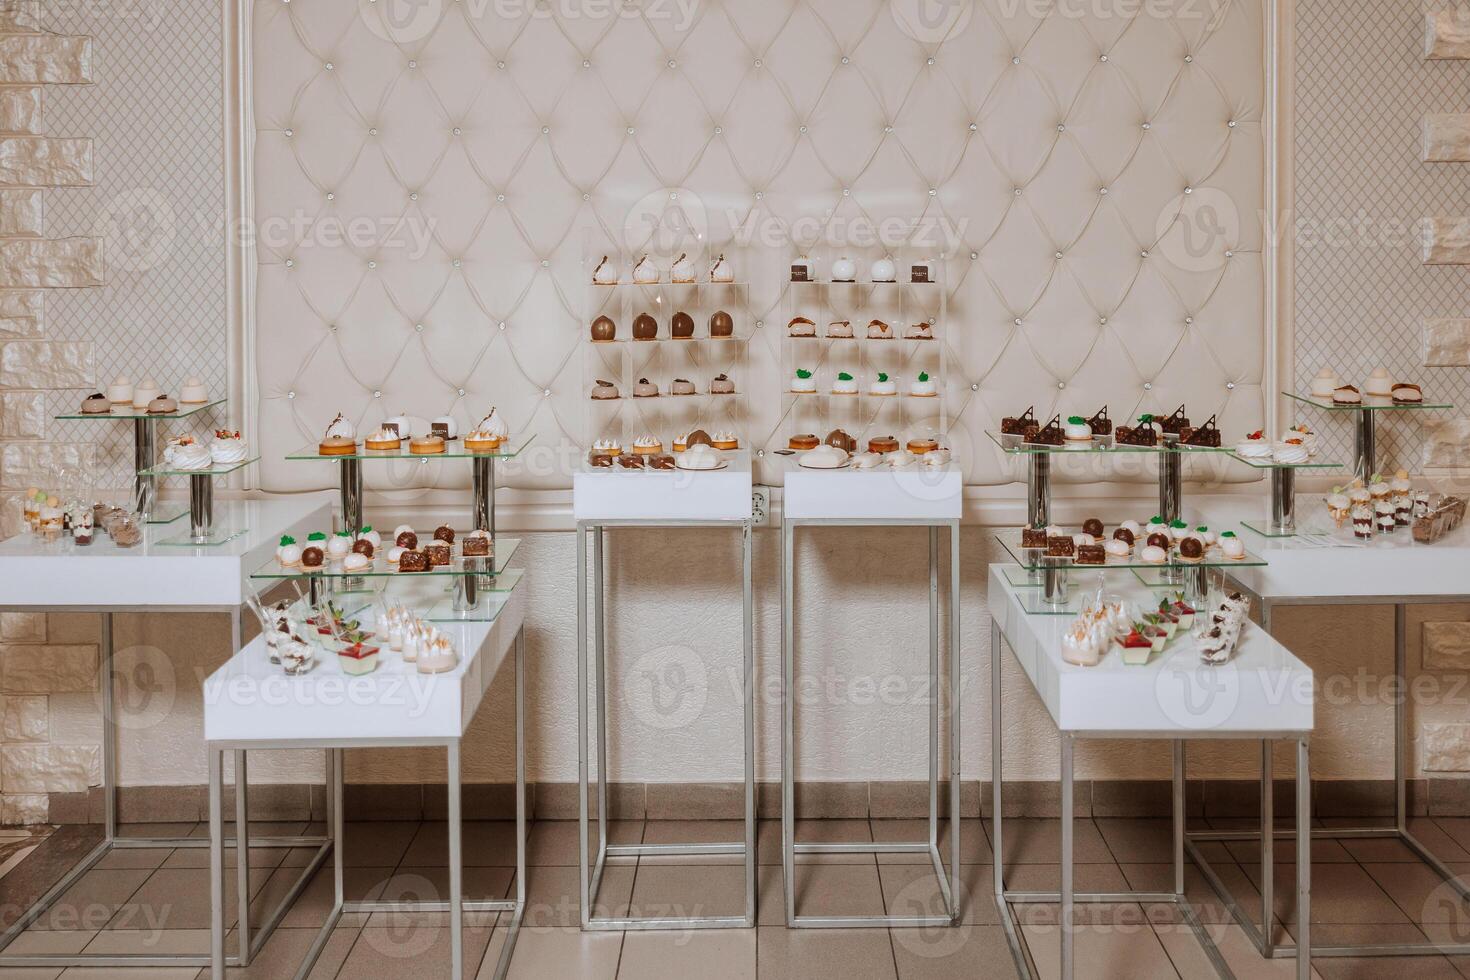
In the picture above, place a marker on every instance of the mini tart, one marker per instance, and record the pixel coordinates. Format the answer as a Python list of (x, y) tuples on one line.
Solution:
[(921, 446), (730, 443), (426, 445), (481, 442), (804, 440), (883, 444), (392, 442), (337, 446), (643, 448)]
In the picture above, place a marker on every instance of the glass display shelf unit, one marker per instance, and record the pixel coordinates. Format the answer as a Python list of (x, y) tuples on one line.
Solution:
[(493, 567), (1370, 403), (1281, 521), (202, 531), (1036, 559), (1266, 463), (1099, 444), (138, 414), (430, 600), (216, 469), (1365, 414), (512, 447)]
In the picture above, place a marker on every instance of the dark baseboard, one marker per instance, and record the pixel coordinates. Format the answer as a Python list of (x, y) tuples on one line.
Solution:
[(816, 800)]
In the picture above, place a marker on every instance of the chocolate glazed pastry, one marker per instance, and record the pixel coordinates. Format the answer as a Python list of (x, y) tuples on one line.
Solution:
[(1123, 534), (841, 440), (1093, 526), (476, 546), (413, 561), (600, 459), (1191, 549), (312, 558), (645, 327), (721, 325), (363, 547), (444, 533), (407, 539), (699, 437), (603, 330), (437, 553), (681, 327), (1158, 540), (661, 461)]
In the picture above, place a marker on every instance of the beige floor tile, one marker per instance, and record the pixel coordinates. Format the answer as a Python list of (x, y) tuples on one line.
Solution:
[(41, 942), (686, 891), (486, 843), (132, 973), (29, 973), (410, 953), (164, 942), (948, 954), (376, 844), (1325, 850), (1037, 840), (824, 954), (123, 858), (770, 899), (1122, 915), (1378, 967), (1048, 878), (92, 901), (719, 954), (1341, 893), (974, 846), (311, 907), (260, 857), (554, 842), (911, 889), (1160, 878), (191, 828), (694, 832), (286, 950), (552, 895), (1378, 850), (178, 898), (1423, 895), (266, 828), (1138, 840), (1126, 950), (816, 831), (541, 954), (838, 890), (432, 885), (1240, 954)]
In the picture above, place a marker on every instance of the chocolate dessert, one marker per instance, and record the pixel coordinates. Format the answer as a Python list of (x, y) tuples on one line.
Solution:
[(1060, 546), (681, 327), (438, 554), (1191, 549), (804, 440), (413, 561), (603, 330), (1019, 425), (1093, 526), (645, 327), (1091, 554), (660, 461), (444, 533), (721, 325), (1145, 433), (630, 461), (1100, 424), (363, 546), (599, 458), (1033, 537), (841, 440), (1050, 434), (1158, 540), (476, 546), (1123, 534), (1206, 435), (312, 557), (407, 539), (1176, 423), (698, 437)]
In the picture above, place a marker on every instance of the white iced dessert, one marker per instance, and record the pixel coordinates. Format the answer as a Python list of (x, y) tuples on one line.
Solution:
[(371, 537), (721, 271), (1231, 546), (1254, 446), (801, 326), (919, 331), (645, 271), (1077, 429), (1378, 383), (606, 274), (844, 384), (698, 457), (884, 270), (683, 269), (882, 386), (354, 562), (804, 383), (1117, 548), (1346, 395), (227, 447), (339, 546), (184, 453), (936, 457), (120, 392), (867, 461), (446, 423), (1325, 383), (839, 330), (193, 392), (145, 393), (844, 270), (878, 330), (923, 386), (824, 457), (288, 552), (1154, 555)]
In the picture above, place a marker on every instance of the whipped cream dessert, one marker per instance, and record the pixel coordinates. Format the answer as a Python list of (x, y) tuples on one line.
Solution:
[(184, 453), (606, 274), (683, 269), (340, 428), (824, 457), (721, 271), (228, 447)]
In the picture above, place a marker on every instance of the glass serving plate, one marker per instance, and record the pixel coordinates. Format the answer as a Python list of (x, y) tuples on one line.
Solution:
[(218, 469), (1035, 558), (505, 549), (1375, 403), (128, 412), (509, 449)]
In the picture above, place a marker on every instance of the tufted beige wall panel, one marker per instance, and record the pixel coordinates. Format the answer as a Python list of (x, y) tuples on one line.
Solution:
[(426, 190)]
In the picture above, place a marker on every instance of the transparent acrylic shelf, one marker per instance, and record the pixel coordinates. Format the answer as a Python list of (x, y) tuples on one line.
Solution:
[(1376, 403), (1035, 558), (851, 283), (706, 283), (1266, 463), (128, 412), (214, 536), (216, 469), (1103, 444), (505, 549), (453, 449)]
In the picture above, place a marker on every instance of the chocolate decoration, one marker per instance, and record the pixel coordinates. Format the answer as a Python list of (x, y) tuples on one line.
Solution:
[(604, 329), (645, 327), (1158, 540), (440, 429), (1093, 526), (1123, 534), (919, 273), (721, 325), (363, 546), (444, 533), (799, 274), (407, 539), (682, 325)]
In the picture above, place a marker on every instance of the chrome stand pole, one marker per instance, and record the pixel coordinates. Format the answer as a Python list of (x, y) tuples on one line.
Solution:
[(1171, 484), (482, 475), (1038, 488), (145, 453), (1304, 859), (201, 506), (1283, 500), (1065, 920), (351, 491), (1365, 448), (1054, 585)]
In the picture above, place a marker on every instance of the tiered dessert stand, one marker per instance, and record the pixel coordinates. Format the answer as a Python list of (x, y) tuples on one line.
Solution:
[(915, 496), (145, 453), (1365, 416)]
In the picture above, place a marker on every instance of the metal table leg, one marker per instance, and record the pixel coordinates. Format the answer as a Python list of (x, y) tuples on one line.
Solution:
[(216, 869), (1064, 919), (1303, 859), (456, 866), (145, 454)]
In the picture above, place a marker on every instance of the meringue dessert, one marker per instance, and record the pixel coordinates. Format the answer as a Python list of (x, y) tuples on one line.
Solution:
[(647, 445), (193, 392), (488, 433), (145, 393), (823, 457), (844, 384), (1379, 383), (883, 386), (645, 271), (884, 270), (725, 440), (120, 392), (840, 330), (878, 330), (683, 269), (606, 274), (720, 270), (804, 383), (383, 438), (227, 448), (699, 457), (400, 424), (1325, 383), (607, 447), (801, 326), (1254, 446), (923, 387), (184, 453), (1290, 452), (1077, 430)]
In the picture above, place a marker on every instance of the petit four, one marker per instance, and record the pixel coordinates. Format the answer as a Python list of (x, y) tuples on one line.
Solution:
[(1231, 546), (1018, 425), (96, 404), (725, 440), (1048, 435), (919, 331), (645, 327), (120, 392), (682, 270), (604, 390), (720, 270), (1156, 525), (1204, 435), (883, 444), (803, 270), (699, 457), (647, 445), (438, 553), (1033, 537), (936, 457), (922, 271), (923, 386), (882, 386), (1178, 530), (1118, 548), (1192, 550), (681, 326), (884, 270), (721, 384), (1126, 535), (162, 405), (339, 428), (399, 424), (645, 271), (445, 427), (1205, 535), (600, 458), (899, 459), (661, 461), (339, 546), (1175, 424), (1407, 394), (1289, 452), (1145, 433), (878, 330), (606, 274), (1131, 527), (681, 386), (844, 270), (801, 326), (476, 545), (804, 383), (823, 458), (364, 547), (288, 552), (922, 445), (488, 433), (645, 389), (840, 330), (413, 561), (228, 447), (1346, 395), (803, 440), (1100, 424), (844, 384), (1153, 555), (184, 453), (1077, 429), (1254, 446), (406, 539), (1060, 545), (1091, 554), (1325, 383), (1093, 528), (1379, 383), (312, 557), (193, 392), (145, 393), (444, 533), (383, 438), (1158, 539), (426, 445), (721, 324)]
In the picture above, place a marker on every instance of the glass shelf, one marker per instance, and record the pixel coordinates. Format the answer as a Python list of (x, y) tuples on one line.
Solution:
[(1104, 444), (859, 282), (708, 283), (128, 412), (1265, 463), (218, 469), (509, 449), (214, 536), (1377, 403), (505, 549), (1029, 558)]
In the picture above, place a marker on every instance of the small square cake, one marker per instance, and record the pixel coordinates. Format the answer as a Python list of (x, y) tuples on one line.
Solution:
[(1033, 537), (413, 561), (437, 553), (1091, 554), (476, 546), (1060, 546)]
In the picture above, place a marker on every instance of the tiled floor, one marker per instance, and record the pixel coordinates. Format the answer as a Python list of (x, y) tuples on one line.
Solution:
[(157, 900)]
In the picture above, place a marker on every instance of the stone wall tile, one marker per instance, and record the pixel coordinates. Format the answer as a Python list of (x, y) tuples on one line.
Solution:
[(47, 669), (1446, 443), (24, 810), (22, 109), (1447, 342), (1446, 646), (1446, 240), (27, 718), (1446, 137), (46, 364), (45, 59), (45, 161), (37, 464), (22, 415), (55, 263), (22, 211), (26, 769), (20, 16), (22, 627), (1446, 748)]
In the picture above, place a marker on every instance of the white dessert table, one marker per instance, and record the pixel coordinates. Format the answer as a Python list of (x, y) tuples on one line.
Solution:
[(914, 496), (251, 703), (154, 577), (1386, 571), (612, 497), (1263, 692)]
